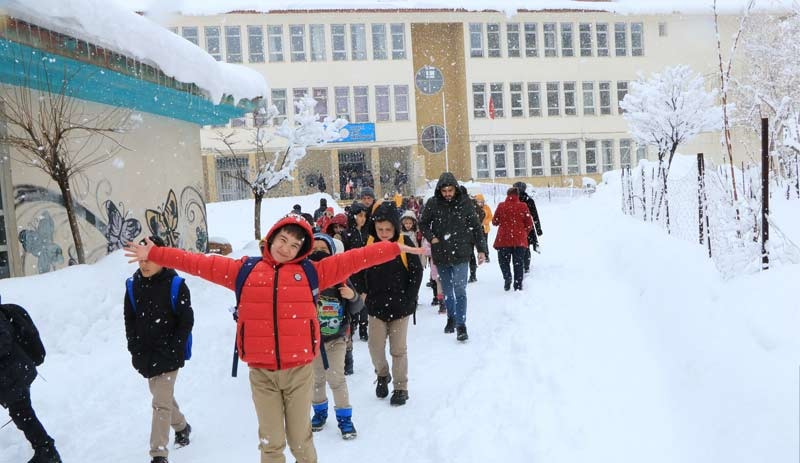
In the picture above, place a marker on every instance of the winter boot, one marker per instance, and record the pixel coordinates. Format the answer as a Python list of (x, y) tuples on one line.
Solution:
[(348, 362), (399, 397), (435, 301), (507, 285), (46, 454), (159, 460), (320, 416), (182, 437), (451, 325), (472, 278), (462, 333), (382, 389), (345, 418)]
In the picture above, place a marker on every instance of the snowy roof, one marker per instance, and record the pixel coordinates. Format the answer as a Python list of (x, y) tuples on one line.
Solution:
[(117, 28), (210, 7)]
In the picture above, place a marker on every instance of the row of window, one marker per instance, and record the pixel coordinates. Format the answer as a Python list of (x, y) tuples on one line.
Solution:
[(558, 39), (306, 42), (560, 98), (554, 157)]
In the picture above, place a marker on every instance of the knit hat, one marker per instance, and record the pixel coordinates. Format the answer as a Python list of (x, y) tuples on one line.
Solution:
[(323, 202), (409, 214), (521, 186), (328, 241), (367, 191), (479, 197)]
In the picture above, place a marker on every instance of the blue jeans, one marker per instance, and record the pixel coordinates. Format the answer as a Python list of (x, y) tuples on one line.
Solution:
[(454, 287)]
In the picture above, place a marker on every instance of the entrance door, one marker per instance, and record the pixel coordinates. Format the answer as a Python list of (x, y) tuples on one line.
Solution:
[(354, 173), (230, 184)]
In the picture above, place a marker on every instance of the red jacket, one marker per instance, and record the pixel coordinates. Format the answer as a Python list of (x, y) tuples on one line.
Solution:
[(283, 335), (514, 221)]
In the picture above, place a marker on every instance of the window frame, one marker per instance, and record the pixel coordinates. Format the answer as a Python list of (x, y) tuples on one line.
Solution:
[(585, 34), (591, 109), (208, 37), (637, 50), (573, 157), (620, 38), (590, 167), (500, 170), (555, 152), (499, 109), (339, 53), (493, 34), (513, 35), (553, 96), (476, 38), (398, 46), (398, 97), (550, 36), (482, 151), (607, 154), (233, 34), (297, 43), (358, 37), (280, 102), (520, 158), (194, 38), (275, 43), (320, 95), (379, 37), (601, 34), (531, 31), (622, 90), (570, 94), (383, 95), (518, 109), (341, 97), (537, 170), (567, 39), (605, 109), (534, 91), (317, 49), (625, 151), (479, 111), (256, 39), (360, 97)]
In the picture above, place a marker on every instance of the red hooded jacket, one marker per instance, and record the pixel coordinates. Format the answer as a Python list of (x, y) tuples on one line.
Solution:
[(514, 221), (277, 327)]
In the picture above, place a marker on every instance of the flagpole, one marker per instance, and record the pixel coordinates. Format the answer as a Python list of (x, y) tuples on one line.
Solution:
[(446, 137)]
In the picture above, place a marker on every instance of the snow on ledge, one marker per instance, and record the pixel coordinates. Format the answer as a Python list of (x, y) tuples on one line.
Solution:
[(117, 28)]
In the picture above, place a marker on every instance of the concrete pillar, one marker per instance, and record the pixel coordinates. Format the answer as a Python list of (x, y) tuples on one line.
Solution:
[(375, 167)]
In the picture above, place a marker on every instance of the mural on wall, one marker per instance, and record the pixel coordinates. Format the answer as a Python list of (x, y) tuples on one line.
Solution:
[(45, 230)]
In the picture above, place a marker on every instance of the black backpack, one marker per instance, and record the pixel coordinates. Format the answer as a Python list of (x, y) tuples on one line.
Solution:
[(25, 332)]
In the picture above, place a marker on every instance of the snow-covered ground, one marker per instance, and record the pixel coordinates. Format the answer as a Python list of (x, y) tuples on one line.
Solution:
[(625, 346)]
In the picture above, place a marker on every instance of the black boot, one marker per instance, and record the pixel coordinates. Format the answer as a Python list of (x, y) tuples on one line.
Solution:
[(182, 437), (159, 460), (462, 333), (472, 278), (348, 362), (382, 389), (399, 397), (46, 454), (451, 325)]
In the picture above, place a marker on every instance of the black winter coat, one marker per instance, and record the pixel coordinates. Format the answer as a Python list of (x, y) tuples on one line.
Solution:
[(156, 334), (17, 370), (455, 223), (353, 238), (392, 290), (537, 226)]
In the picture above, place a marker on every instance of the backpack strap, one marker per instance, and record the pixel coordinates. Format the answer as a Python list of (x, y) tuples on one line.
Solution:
[(129, 286), (174, 289), (313, 283), (241, 278), (401, 240)]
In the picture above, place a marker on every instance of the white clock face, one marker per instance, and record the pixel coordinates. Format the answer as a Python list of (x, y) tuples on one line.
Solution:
[(429, 80)]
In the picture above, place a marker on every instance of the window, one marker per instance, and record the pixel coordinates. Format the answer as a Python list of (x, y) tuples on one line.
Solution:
[(531, 40), (550, 49), (516, 99), (321, 95), (520, 160), (342, 96), (255, 44), (496, 95), (361, 100), (382, 109), (588, 98), (534, 99), (605, 98), (622, 90), (233, 44), (229, 186), (641, 153), (275, 39), (602, 39), (358, 42), (279, 100), (620, 39), (537, 165), (379, 42), (260, 118), (570, 108), (482, 160), (398, 41), (401, 102), (590, 159), (317, 32), (434, 138), (297, 42), (573, 168), (553, 106), (607, 149), (555, 158), (297, 95), (637, 39), (585, 30), (493, 40), (662, 29), (429, 80), (478, 101), (190, 34), (499, 150), (476, 40), (512, 40), (567, 48), (338, 42), (212, 42), (625, 152)]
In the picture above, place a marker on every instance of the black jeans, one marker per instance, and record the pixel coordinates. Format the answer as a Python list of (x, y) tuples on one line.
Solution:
[(504, 258), (24, 417)]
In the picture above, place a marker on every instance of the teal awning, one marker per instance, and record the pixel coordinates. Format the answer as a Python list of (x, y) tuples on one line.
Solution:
[(21, 65)]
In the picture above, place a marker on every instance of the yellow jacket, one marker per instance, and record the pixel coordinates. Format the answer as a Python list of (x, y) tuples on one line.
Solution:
[(487, 220)]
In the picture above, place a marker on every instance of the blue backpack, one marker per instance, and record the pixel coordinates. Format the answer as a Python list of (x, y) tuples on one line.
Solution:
[(173, 299), (241, 277)]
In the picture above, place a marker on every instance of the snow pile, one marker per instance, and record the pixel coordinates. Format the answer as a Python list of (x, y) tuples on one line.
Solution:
[(117, 28)]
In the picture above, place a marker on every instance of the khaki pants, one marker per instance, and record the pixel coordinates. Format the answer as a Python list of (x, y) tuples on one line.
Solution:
[(283, 400), (165, 412), (334, 375), (397, 332)]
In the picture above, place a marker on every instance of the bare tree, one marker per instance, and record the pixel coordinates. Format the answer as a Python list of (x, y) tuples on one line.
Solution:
[(49, 129)]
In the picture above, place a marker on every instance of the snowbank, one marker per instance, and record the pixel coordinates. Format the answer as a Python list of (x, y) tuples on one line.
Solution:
[(117, 28)]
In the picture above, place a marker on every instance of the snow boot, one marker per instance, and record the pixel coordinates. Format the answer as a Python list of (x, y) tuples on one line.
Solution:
[(182, 437), (320, 416), (462, 333), (435, 302), (348, 363), (399, 397), (507, 285), (451, 325), (46, 454), (159, 460), (472, 278), (345, 418), (382, 389)]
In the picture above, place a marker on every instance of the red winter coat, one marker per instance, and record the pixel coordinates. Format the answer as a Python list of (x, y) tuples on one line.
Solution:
[(514, 221), (283, 335)]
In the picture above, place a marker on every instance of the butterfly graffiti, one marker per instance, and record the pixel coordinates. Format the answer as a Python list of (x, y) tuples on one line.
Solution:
[(121, 229), (39, 243), (164, 221)]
